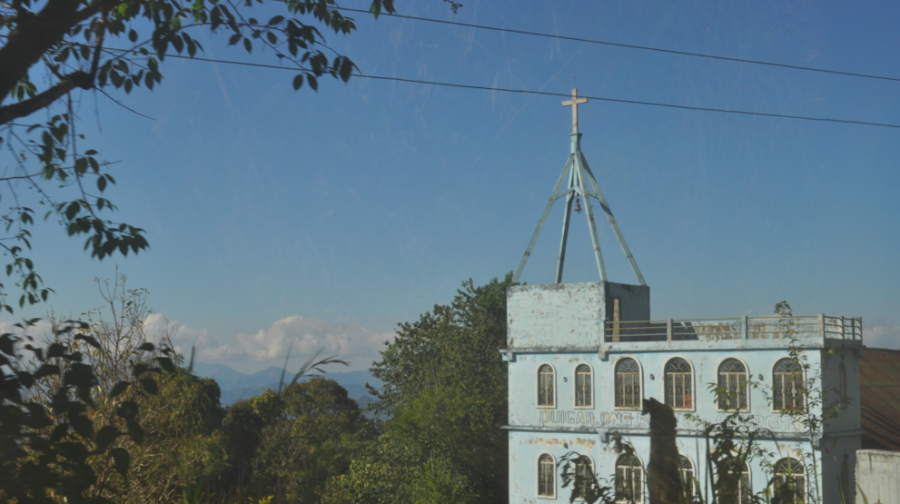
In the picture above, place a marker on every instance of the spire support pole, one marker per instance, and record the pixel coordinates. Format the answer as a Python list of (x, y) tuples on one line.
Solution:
[(592, 227), (553, 197), (612, 223), (570, 195)]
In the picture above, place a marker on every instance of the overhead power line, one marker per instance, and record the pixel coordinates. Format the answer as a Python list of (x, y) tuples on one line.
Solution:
[(634, 46), (564, 95)]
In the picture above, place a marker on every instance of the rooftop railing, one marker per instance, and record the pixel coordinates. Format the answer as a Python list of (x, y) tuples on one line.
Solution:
[(749, 328)]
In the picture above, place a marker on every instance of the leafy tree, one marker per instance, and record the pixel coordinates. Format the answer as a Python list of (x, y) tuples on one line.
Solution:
[(241, 430), (118, 46), (183, 447), (57, 441), (445, 394), (380, 474), (315, 436)]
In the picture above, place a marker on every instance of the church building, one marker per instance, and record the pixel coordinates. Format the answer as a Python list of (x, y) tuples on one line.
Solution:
[(583, 356)]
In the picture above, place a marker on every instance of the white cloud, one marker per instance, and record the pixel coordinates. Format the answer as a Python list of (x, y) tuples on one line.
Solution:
[(882, 334), (302, 336), (156, 326)]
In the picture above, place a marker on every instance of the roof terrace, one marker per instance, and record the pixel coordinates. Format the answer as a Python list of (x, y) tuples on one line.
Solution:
[(740, 328)]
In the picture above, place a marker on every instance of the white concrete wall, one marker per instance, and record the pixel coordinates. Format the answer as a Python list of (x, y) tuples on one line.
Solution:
[(569, 315), (556, 315), (878, 475)]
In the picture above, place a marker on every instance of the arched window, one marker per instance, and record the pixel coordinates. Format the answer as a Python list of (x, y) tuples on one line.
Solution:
[(686, 470), (679, 384), (629, 479), (744, 490), (546, 476), (789, 484), (842, 380), (732, 385), (546, 386), (584, 477), (628, 384), (787, 386), (584, 386)]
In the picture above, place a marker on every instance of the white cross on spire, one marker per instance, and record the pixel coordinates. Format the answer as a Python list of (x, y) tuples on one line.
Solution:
[(574, 102)]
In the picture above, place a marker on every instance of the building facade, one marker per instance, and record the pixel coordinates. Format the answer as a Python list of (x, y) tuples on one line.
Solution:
[(582, 356)]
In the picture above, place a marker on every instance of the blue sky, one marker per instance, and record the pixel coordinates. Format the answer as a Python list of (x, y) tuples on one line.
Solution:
[(327, 217)]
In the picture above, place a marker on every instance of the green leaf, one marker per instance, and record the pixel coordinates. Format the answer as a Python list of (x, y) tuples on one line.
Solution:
[(146, 347), (135, 431), (298, 82), (105, 436), (7, 344), (79, 375), (55, 350), (132, 36), (122, 460), (346, 69), (313, 83), (235, 39), (72, 210), (272, 38), (166, 363), (118, 389), (75, 452), (46, 370), (149, 385), (275, 20), (90, 340), (247, 45), (83, 426), (139, 369)]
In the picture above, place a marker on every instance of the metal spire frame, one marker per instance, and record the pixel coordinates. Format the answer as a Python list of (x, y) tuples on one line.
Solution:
[(581, 182)]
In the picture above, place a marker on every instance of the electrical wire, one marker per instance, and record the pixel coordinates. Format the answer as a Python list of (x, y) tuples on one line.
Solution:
[(563, 95), (634, 46)]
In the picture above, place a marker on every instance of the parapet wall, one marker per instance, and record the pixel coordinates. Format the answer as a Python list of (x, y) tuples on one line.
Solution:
[(571, 315)]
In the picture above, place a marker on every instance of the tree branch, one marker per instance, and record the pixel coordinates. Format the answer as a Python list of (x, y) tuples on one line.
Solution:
[(67, 83), (31, 39)]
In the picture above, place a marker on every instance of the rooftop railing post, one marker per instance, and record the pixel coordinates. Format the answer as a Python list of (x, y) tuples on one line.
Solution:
[(745, 329), (842, 327), (669, 330), (821, 318)]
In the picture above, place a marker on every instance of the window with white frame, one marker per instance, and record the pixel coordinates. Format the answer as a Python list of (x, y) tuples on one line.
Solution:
[(629, 479), (546, 386), (686, 471), (787, 385), (789, 483), (679, 384), (742, 493), (732, 389), (628, 383), (584, 477), (584, 386), (744, 490), (546, 476)]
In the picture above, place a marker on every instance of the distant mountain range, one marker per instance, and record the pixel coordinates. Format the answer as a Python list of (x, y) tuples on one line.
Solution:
[(236, 385)]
